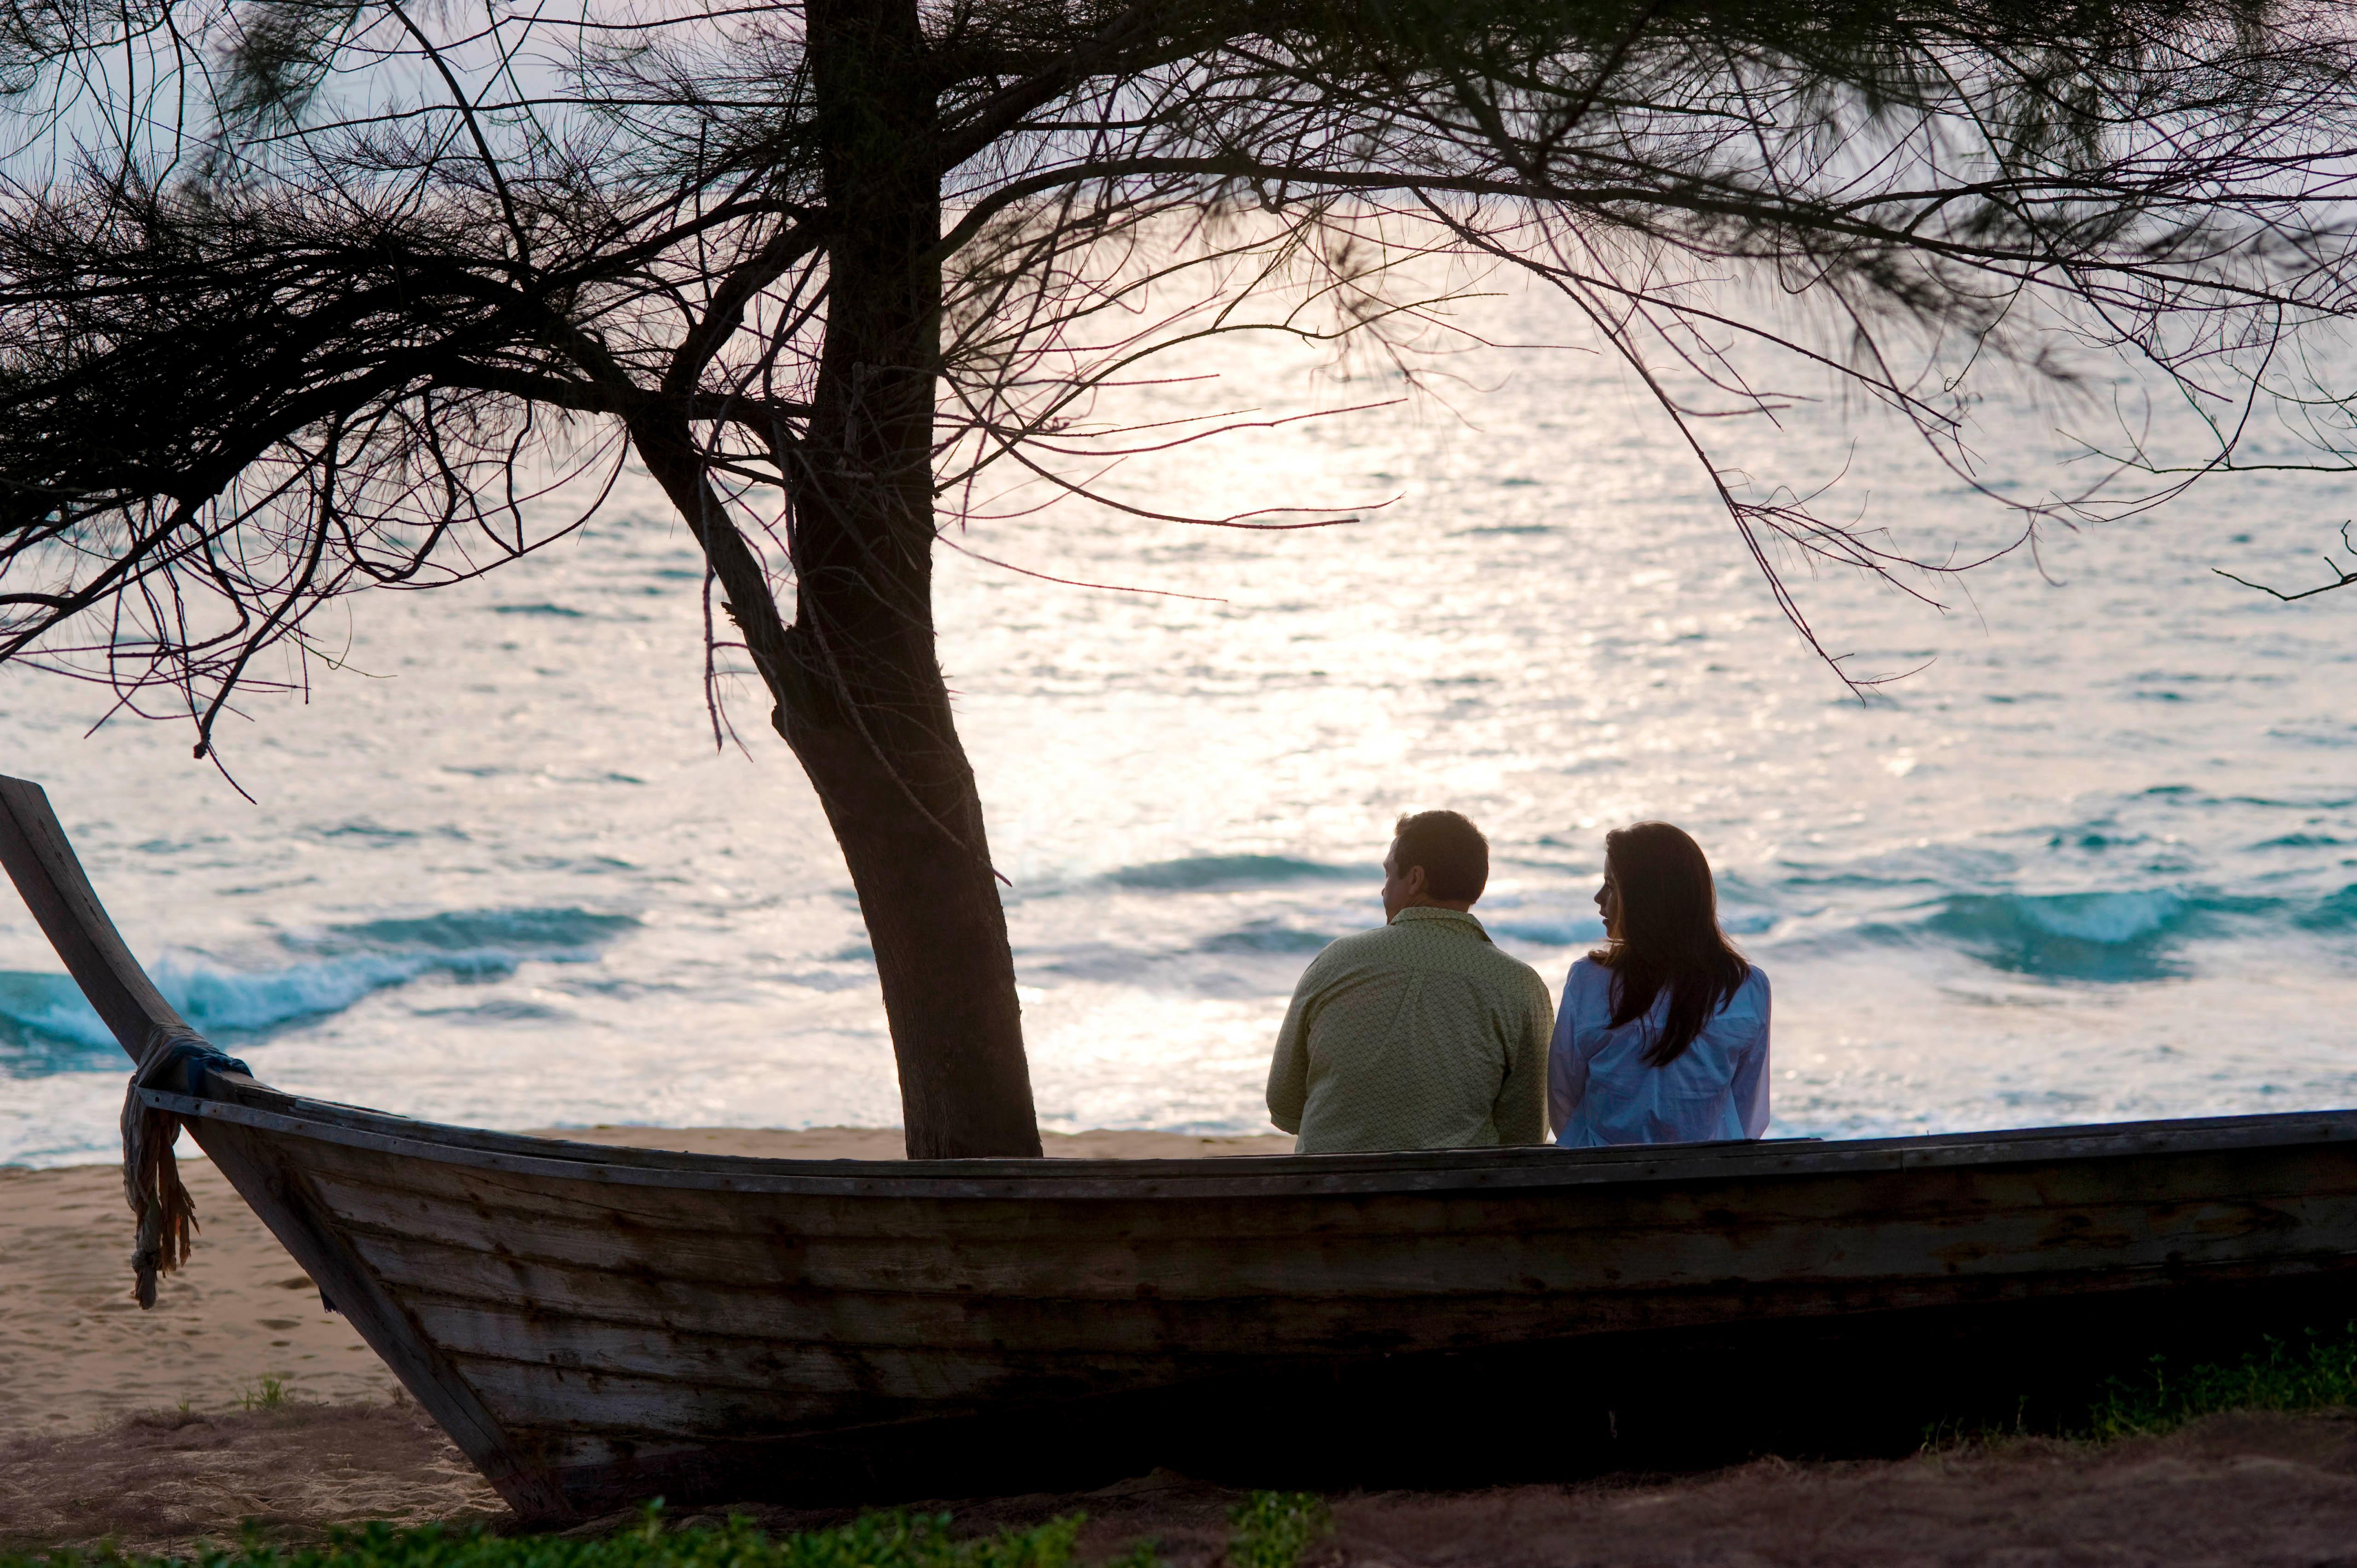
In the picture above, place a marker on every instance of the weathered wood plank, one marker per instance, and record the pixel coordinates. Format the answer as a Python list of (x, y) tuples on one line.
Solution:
[(420, 1272), (1749, 1155), (1660, 1239), (1937, 1194), (1285, 1325), (383, 1192), (1923, 1195), (617, 1404), (1470, 1171), (554, 1448), (718, 1360)]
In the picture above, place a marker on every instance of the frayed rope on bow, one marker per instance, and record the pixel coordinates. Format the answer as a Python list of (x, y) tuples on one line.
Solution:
[(175, 1059)]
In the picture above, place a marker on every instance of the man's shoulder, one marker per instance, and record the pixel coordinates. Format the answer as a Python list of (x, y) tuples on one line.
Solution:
[(1359, 947), (1403, 945), (1475, 952), (1513, 971), (1414, 945)]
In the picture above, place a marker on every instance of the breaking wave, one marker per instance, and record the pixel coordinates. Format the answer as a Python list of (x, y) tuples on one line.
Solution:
[(2102, 936), (337, 967), (2338, 913)]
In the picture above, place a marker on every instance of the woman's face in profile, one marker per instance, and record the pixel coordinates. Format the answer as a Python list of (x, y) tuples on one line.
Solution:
[(1607, 903)]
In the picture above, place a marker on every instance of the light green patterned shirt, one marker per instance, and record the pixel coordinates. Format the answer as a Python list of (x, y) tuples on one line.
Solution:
[(1419, 1036)]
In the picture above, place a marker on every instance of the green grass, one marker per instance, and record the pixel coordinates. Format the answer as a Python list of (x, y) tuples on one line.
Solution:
[(875, 1540), (1272, 1528), (266, 1393), (2309, 1371)]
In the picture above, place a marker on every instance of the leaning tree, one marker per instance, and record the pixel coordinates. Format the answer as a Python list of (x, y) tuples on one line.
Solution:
[(301, 296)]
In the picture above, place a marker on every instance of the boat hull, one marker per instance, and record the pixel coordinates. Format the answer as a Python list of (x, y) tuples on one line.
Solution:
[(596, 1325)]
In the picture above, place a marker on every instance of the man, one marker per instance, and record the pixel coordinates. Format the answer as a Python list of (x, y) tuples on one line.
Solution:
[(1422, 1035)]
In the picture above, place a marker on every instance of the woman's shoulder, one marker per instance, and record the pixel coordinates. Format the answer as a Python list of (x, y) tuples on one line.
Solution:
[(1588, 987), (1751, 996), (1586, 973)]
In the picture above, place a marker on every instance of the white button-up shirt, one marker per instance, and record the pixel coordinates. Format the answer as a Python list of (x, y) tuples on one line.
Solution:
[(1601, 1092)]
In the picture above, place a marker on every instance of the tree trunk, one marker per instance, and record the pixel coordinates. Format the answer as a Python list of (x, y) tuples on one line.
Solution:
[(859, 692), (869, 715)]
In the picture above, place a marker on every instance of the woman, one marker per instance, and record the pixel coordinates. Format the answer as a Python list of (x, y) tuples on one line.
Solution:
[(1663, 1033)]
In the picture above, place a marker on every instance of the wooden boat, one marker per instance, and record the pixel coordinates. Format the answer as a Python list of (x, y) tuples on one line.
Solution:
[(594, 1325)]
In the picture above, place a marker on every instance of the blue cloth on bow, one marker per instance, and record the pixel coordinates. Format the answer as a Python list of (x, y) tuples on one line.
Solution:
[(179, 1067)]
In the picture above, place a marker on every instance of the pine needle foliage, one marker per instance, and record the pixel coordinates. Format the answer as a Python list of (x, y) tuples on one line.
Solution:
[(285, 306)]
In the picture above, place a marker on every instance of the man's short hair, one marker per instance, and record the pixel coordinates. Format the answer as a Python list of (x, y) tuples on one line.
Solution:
[(1453, 854)]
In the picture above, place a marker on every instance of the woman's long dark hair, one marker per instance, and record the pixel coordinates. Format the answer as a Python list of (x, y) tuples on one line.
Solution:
[(1668, 935)]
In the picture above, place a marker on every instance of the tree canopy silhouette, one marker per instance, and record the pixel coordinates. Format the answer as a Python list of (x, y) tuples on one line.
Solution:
[(299, 298)]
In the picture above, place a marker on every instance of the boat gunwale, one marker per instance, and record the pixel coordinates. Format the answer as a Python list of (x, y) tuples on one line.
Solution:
[(1273, 1175)]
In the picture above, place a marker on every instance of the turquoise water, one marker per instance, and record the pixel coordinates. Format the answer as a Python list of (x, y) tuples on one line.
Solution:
[(2095, 859)]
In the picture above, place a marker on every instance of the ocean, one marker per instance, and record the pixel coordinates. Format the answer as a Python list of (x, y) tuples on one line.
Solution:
[(2094, 857)]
